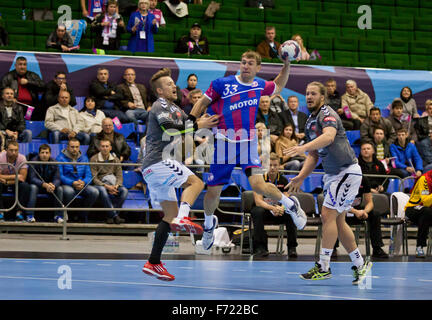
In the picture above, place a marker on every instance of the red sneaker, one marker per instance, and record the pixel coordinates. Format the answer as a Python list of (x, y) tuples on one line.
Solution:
[(185, 224), (158, 271)]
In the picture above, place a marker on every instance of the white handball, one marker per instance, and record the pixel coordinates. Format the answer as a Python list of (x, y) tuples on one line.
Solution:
[(290, 49)]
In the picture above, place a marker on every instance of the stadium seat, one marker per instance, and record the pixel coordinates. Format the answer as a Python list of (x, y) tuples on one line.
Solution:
[(164, 34), (301, 17), (40, 43), (253, 27), (20, 27), (251, 14), (346, 44), (422, 35), (390, 3), (347, 32), (353, 136), (75, 6), (371, 59), (165, 47), (396, 46), (277, 16), (407, 11), (320, 43), (286, 5), (12, 3), (425, 4), (37, 4), (407, 3), (371, 45), (216, 37), (126, 130), (304, 30), (402, 35), (396, 61), (21, 41), (384, 10), (44, 28), (420, 47), (380, 21), (347, 58), (36, 127), (236, 51), (420, 62), (196, 11), (242, 38), (220, 50), (402, 23), (378, 34), (334, 7), (329, 19), (349, 20), (423, 23), (309, 6), (328, 31), (227, 13), (229, 25)]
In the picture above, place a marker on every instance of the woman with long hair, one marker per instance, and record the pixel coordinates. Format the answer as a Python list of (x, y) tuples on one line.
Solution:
[(288, 139), (304, 54)]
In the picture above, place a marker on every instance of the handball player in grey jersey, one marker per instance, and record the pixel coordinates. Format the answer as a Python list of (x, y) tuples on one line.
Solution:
[(326, 139), (166, 124)]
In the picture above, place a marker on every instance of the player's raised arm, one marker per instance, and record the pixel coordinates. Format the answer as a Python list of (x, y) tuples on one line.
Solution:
[(282, 78), (199, 107)]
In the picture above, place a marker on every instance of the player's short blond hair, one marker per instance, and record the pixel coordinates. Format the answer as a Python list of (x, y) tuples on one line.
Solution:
[(250, 54), (154, 81)]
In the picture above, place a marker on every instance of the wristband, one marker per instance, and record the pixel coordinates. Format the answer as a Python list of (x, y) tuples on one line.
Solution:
[(192, 118)]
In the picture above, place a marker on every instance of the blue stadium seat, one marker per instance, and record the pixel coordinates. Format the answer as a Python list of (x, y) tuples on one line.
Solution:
[(36, 128), (134, 155), (312, 182), (353, 136), (131, 178), (393, 186), (126, 130)]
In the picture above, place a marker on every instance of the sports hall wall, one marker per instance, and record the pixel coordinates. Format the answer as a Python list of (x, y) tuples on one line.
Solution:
[(382, 85)]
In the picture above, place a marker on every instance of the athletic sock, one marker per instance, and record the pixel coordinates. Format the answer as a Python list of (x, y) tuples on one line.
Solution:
[(183, 210), (356, 258), (325, 258), (288, 203), (161, 237), (208, 221)]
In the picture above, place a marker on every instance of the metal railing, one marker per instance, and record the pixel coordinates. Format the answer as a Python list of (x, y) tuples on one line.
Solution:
[(66, 208)]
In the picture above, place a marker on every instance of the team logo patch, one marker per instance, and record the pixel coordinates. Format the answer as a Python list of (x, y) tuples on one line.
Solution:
[(254, 84), (211, 177), (163, 115), (329, 118)]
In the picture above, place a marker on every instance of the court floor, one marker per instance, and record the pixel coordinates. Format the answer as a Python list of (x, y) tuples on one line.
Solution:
[(71, 279)]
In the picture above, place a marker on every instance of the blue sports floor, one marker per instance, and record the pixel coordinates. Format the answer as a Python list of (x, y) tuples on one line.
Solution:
[(40, 279)]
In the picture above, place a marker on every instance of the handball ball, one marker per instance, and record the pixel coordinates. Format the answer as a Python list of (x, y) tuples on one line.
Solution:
[(290, 49)]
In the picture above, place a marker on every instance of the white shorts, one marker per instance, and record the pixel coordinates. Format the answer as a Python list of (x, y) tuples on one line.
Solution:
[(163, 178), (341, 189)]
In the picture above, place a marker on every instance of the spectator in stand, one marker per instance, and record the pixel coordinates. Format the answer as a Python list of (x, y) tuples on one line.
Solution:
[(375, 120), (371, 165), (142, 25), (108, 27), (76, 178), (194, 43), (107, 96), (91, 117), (408, 159), (12, 122), (286, 140), (268, 48), (26, 86), (264, 206), (45, 179), (59, 83), (333, 99), (427, 104), (193, 97), (271, 120), (94, 7), (419, 210), (304, 54), (7, 178), (278, 104), (358, 103), (157, 13), (192, 81), (60, 40), (409, 104), (134, 97), (399, 121), (109, 181), (423, 130), (264, 145), (360, 212), (118, 142), (64, 122), (296, 117)]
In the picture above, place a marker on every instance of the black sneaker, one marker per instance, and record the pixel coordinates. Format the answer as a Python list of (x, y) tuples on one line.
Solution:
[(292, 253), (118, 220), (261, 252), (379, 253), (316, 273), (360, 273)]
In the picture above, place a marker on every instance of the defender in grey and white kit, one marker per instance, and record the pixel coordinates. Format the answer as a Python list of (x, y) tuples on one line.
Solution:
[(166, 124), (327, 140)]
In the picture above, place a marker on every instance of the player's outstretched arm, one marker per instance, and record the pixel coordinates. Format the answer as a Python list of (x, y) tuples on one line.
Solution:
[(200, 106), (282, 78), (308, 167)]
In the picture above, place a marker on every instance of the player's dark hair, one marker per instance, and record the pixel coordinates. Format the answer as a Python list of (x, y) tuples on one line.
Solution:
[(374, 109)]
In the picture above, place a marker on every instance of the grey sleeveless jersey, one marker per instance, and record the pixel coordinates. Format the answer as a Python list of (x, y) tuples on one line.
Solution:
[(339, 154)]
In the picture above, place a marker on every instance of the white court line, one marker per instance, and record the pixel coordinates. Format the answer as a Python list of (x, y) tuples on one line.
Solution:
[(268, 271), (77, 263), (104, 264), (22, 261), (188, 268), (238, 270), (131, 265), (399, 278), (194, 287), (47, 262), (424, 280)]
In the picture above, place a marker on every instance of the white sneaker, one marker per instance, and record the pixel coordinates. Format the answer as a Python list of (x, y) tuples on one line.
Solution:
[(298, 215), (208, 235)]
